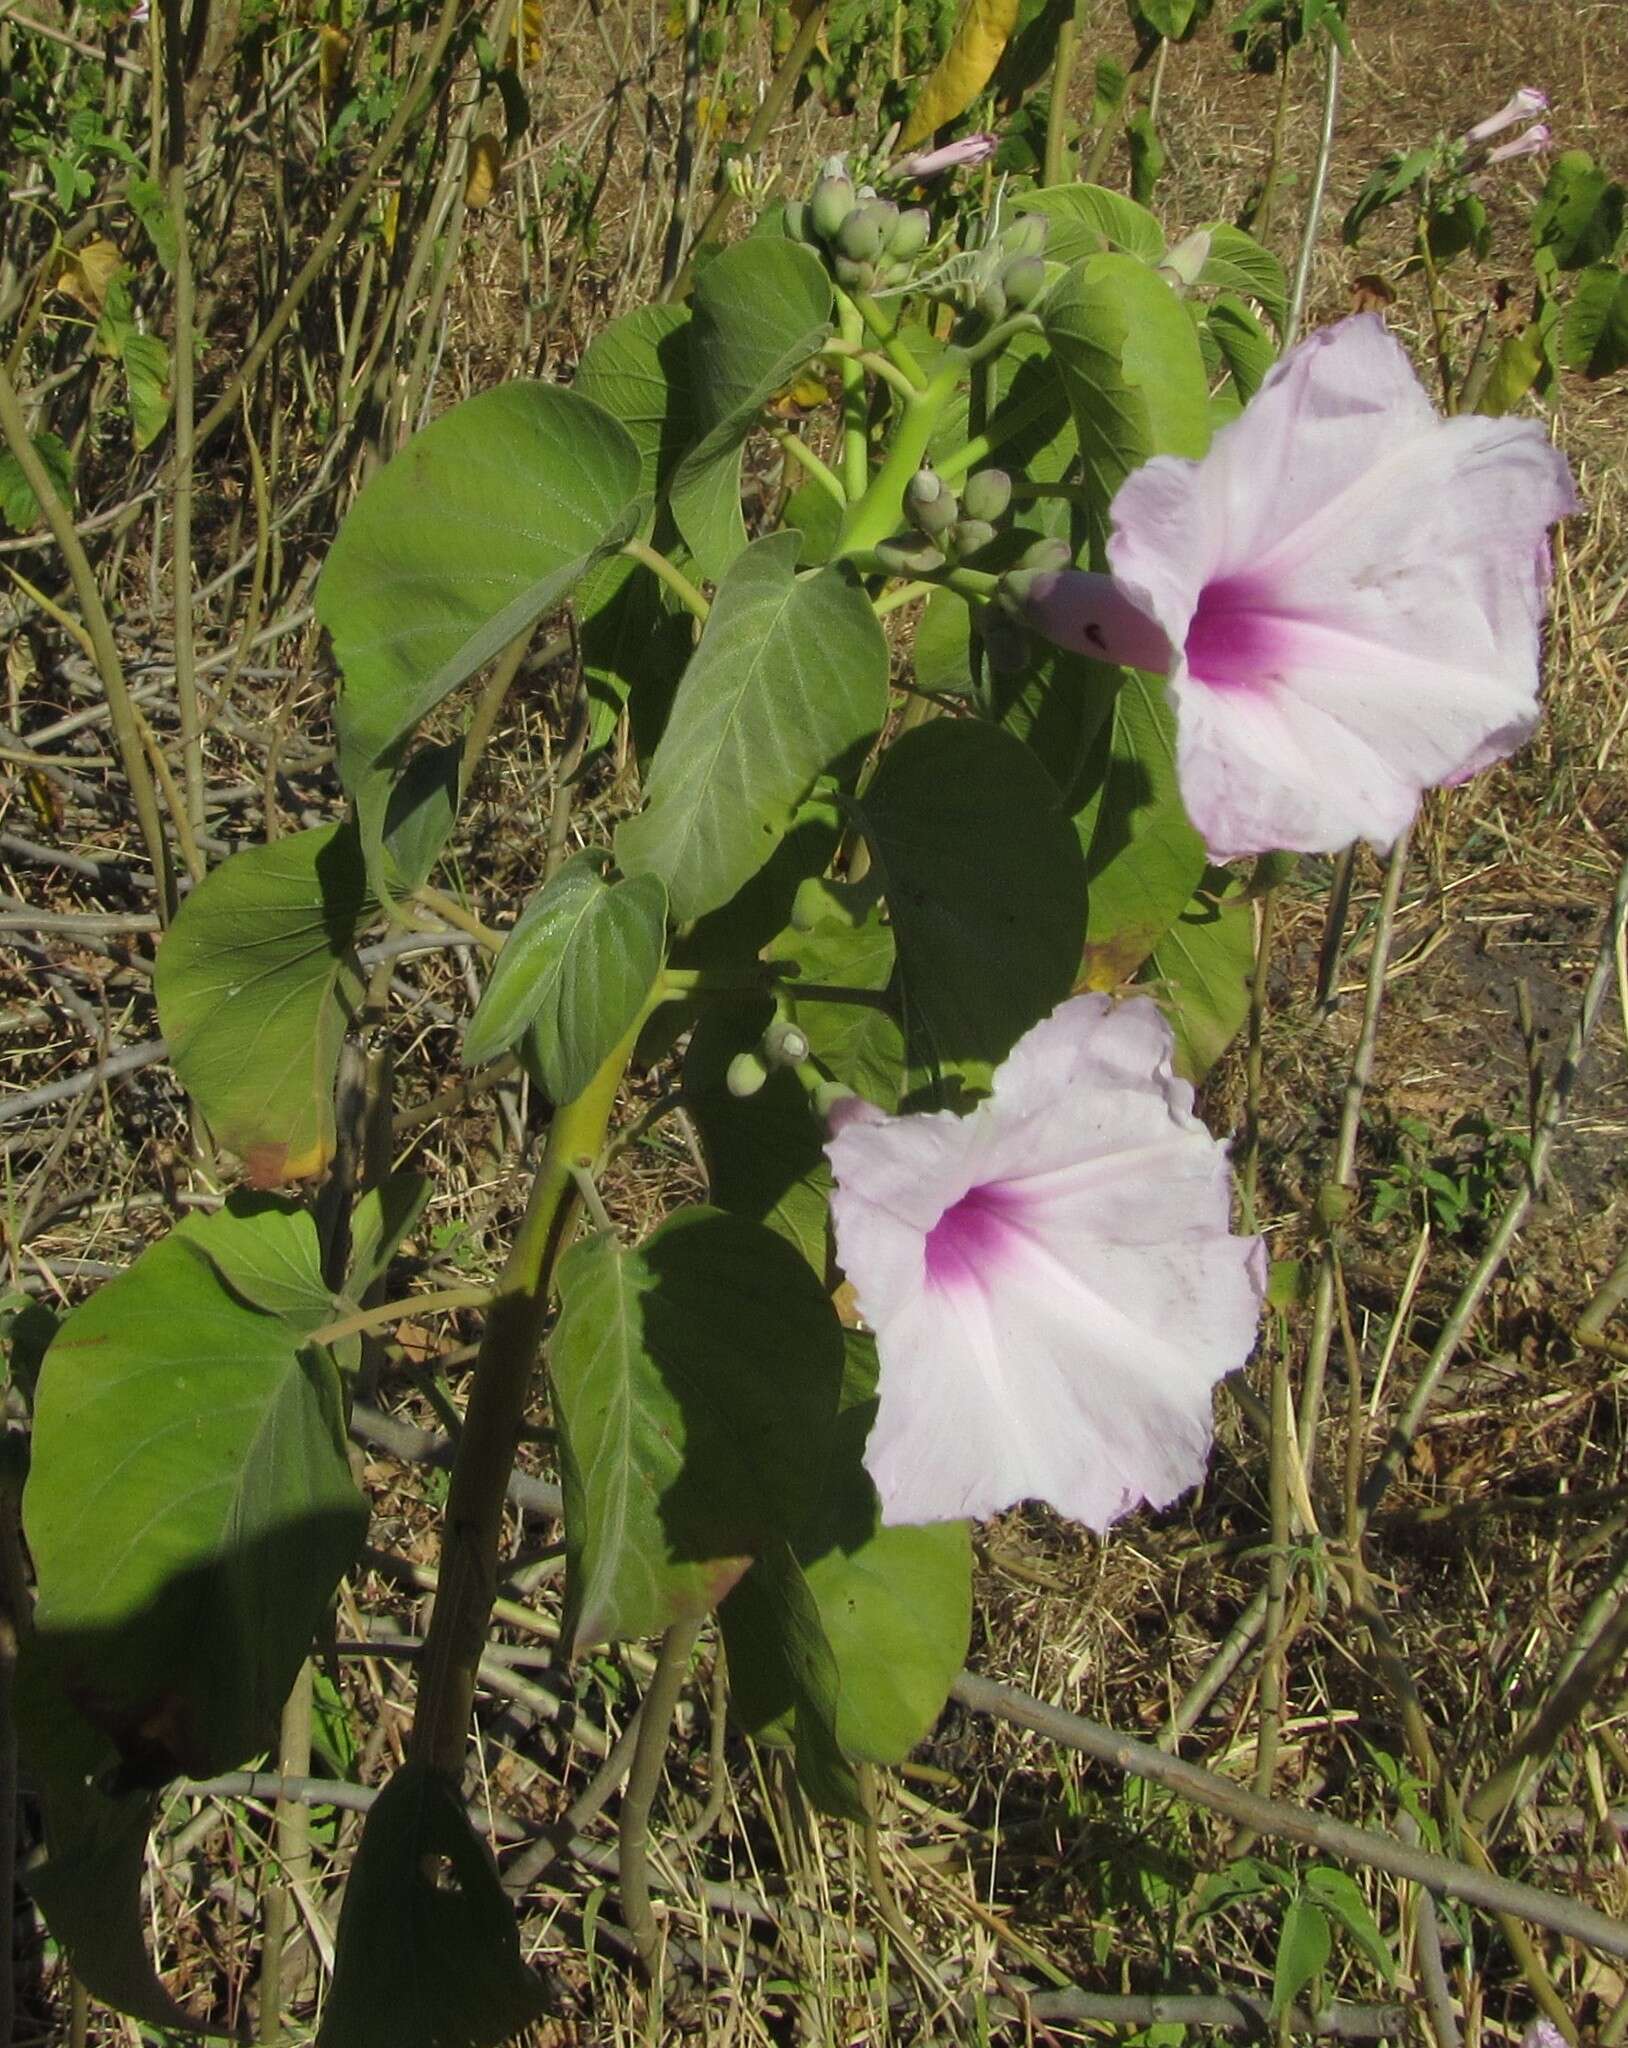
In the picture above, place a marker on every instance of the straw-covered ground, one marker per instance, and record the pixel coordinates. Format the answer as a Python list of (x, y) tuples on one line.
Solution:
[(1007, 1873)]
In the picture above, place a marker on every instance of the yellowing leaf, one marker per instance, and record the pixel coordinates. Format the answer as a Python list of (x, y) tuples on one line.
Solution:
[(526, 36), (802, 394), (86, 273), (485, 168), (964, 70), (387, 222), (711, 116), (334, 48)]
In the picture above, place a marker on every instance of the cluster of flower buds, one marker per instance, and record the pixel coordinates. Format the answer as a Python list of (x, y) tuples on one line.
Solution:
[(870, 241), (947, 528), (1016, 274), (783, 1044)]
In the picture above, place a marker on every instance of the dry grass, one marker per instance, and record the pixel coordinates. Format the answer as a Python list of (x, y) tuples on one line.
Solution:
[(1008, 1863)]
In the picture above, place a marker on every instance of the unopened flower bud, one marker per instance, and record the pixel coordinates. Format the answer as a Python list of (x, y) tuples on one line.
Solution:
[(929, 503), (862, 234), (987, 495), (1049, 553), (796, 220), (1536, 139), (1183, 263), (967, 536), (831, 201), (991, 301), (1026, 236), (1023, 280), (854, 277), (909, 554), (922, 164), (1520, 106), (784, 1044), (893, 273), (910, 233), (746, 1075)]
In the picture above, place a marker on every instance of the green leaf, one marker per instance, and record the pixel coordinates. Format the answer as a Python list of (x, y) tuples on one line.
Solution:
[(1579, 219), (18, 505), (857, 1044), (149, 202), (1339, 1894), (190, 1507), (638, 369), (1393, 177), (253, 980), (1303, 1950), (985, 885), (1238, 263), (420, 810), (1130, 363), (264, 1250), (760, 311), (428, 1954), (1594, 332), (1143, 857), (574, 973), (1086, 220), (1148, 155), (1520, 366), (1246, 347), (147, 385), (477, 528), (632, 646), (695, 1379), (380, 1221), (789, 682), (1201, 970)]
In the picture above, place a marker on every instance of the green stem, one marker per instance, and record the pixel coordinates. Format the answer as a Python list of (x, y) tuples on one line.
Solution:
[(893, 342), (121, 711), (503, 1373), (385, 1313), (856, 461), (644, 1780), (1013, 420), (1062, 77), (806, 459), (879, 510), (845, 352), (675, 579), (996, 339)]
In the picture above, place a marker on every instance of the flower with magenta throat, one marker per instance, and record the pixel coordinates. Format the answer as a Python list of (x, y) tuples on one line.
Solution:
[(1051, 1278), (1347, 593)]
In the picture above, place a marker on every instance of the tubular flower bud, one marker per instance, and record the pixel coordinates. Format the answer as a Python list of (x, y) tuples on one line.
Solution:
[(1533, 143), (923, 164), (1522, 105), (967, 536)]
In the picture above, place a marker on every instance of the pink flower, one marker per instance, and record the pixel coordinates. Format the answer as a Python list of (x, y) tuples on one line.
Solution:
[(1350, 589), (1543, 2034), (922, 164), (1050, 1279), (1536, 139), (1520, 106)]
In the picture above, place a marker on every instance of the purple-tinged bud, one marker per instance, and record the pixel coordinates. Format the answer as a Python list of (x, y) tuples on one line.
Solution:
[(922, 164), (1183, 263), (1533, 143), (1049, 553), (1088, 614), (1521, 106), (910, 233)]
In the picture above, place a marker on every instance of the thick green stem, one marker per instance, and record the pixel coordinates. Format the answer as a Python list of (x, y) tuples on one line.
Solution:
[(675, 579), (497, 1405), (879, 511), (1062, 77), (1013, 420), (856, 466)]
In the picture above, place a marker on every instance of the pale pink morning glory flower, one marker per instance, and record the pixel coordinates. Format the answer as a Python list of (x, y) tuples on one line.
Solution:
[(922, 164), (1349, 590), (1522, 105), (1051, 1278), (1536, 139), (1543, 2034)]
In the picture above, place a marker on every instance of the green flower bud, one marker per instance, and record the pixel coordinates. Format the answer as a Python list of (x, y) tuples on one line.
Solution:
[(929, 503), (746, 1075), (1023, 280), (909, 554), (796, 220), (987, 495), (785, 1044), (911, 232), (856, 277), (893, 273), (831, 201), (1026, 236), (967, 536), (860, 236), (1047, 554), (991, 301)]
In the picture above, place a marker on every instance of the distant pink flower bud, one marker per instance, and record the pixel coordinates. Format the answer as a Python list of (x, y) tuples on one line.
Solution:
[(1532, 143), (922, 164), (1520, 106), (1051, 1279), (1352, 589), (1543, 2034)]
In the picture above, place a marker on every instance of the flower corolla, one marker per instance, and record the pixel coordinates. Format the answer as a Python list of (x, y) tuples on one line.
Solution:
[(1349, 593), (1522, 105), (1533, 143), (922, 164), (1051, 1278)]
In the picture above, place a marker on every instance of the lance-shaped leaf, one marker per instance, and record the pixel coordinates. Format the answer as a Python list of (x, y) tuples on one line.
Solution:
[(480, 525), (695, 1380), (789, 682), (1129, 359), (253, 981), (574, 973), (190, 1506), (892, 1605), (985, 885), (1143, 858), (761, 309), (428, 1954)]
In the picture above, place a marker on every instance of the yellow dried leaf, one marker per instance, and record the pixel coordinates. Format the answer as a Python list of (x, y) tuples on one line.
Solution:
[(802, 394), (333, 49), (964, 70), (86, 273), (485, 168), (526, 36), (711, 117), (387, 223)]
